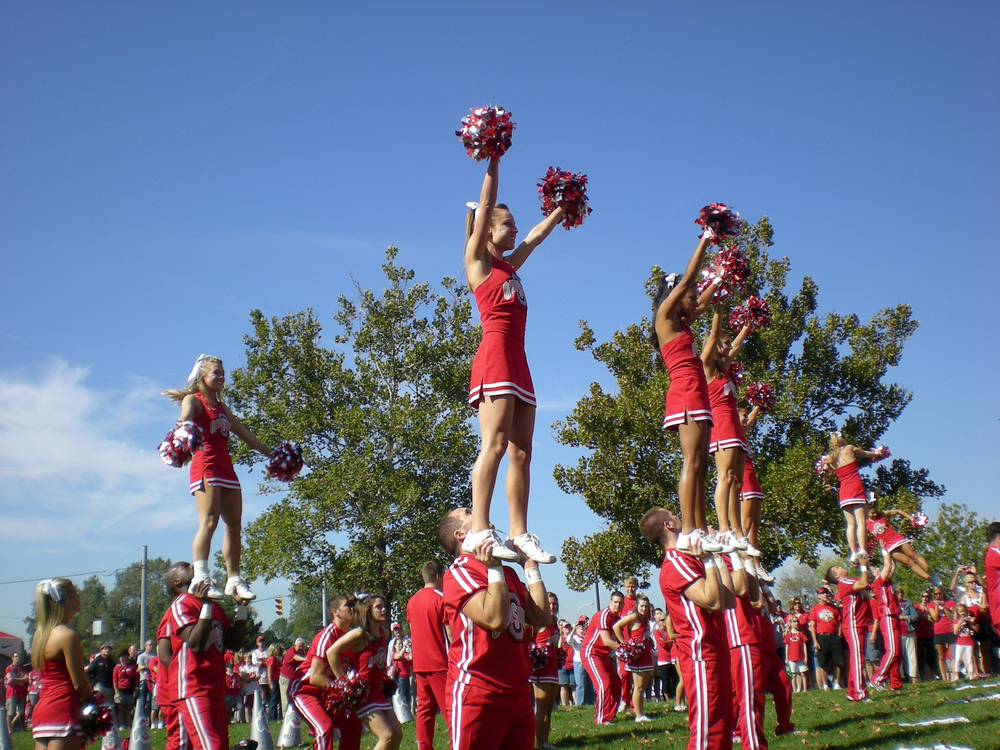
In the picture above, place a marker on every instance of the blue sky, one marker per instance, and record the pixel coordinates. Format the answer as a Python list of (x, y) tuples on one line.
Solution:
[(168, 167)]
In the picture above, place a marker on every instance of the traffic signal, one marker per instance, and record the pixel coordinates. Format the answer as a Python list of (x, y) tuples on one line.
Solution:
[(277, 606)]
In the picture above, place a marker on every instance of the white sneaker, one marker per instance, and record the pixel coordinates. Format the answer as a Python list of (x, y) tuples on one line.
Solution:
[(642, 717), (500, 551), (239, 587), (853, 558), (530, 548), (764, 576), (740, 542), (726, 540), (213, 591), (708, 543), (683, 543), (622, 707), (751, 550)]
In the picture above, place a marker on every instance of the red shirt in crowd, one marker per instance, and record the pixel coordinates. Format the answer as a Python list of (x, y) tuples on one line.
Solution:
[(826, 619), (701, 635), (426, 615), (486, 659), (124, 676), (288, 664), (795, 646), (198, 673), (944, 623), (15, 689)]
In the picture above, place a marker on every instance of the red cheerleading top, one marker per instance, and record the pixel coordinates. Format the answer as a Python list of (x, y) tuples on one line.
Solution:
[(214, 460), (852, 489), (503, 308), (641, 635), (491, 660), (687, 395), (879, 530), (727, 430), (426, 615), (372, 662), (701, 635), (857, 611), (662, 646)]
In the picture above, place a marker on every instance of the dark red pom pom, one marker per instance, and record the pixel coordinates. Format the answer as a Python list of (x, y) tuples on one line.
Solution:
[(389, 686), (762, 395), (735, 373), (96, 719), (285, 461), (486, 132), (558, 187), (630, 652), (539, 657), (720, 222), (180, 444), (753, 311)]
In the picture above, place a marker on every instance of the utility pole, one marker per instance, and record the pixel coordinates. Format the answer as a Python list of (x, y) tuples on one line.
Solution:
[(325, 623), (142, 599), (597, 595)]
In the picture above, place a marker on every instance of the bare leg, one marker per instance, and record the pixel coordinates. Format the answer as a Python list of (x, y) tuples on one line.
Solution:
[(59, 743), (735, 490), (231, 508), (852, 531), (208, 520), (545, 698), (495, 417), (519, 466), (694, 437), (385, 726), (725, 467), (640, 682), (861, 521)]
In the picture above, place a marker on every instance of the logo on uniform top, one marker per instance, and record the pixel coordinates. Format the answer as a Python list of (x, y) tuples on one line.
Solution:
[(729, 389), (215, 639), (826, 615), (377, 660), (516, 620), (512, 288), (220, 424), (878, 528)]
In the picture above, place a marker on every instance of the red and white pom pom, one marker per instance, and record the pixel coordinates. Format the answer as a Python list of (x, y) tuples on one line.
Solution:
[(881, 453), (630, 652), (486, 132), (97, 718), (538, 655), (753, 311), (729, 265), (344, 694), (285, 461), (720, 222), (920, 520), (558, 187), (761, 394), (735, 373), (822, 467), (180, 444)]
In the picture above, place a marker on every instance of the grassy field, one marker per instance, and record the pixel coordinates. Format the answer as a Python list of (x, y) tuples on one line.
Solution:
[(826, 720)]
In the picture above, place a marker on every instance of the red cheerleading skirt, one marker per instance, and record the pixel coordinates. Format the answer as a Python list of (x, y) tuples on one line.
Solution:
[(727, 432), (217, 471), (687, 398), (852, 490), (500, 368), (57, 713), (751, 485)]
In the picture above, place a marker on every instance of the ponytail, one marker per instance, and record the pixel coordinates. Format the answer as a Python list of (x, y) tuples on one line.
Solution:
[(196, 385)]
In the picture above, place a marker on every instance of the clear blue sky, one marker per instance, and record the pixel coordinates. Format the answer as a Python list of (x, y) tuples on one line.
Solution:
[(166, 167)]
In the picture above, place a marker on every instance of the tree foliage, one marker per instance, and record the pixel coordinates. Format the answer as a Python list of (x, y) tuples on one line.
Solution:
[(384, 426), (829, 373)]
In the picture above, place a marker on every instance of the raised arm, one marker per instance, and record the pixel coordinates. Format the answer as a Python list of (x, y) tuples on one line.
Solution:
[(681, 289), (536, 605), (897, 512), (862, 453), (477, 264), (738, 342), (245, 435), (538, 233), (709, 344), (347, 642), (751, 418)]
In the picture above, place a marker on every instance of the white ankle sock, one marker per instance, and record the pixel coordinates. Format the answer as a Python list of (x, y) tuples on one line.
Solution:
[(201, 570)]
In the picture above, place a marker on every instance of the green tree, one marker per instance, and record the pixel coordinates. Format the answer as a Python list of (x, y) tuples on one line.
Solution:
[(122, 606), (829, 373), (801, 580), (93, 606), (384, 427)]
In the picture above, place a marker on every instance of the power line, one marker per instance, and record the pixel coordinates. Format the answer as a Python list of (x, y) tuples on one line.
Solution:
[(68, 575)]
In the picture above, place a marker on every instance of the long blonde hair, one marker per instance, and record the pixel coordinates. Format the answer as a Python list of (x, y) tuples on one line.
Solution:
[(833, 452), (198, 386), (51, 599)]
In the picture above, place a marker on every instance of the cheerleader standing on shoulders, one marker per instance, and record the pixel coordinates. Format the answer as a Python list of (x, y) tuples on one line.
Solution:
[(369, 645), (500, 386), (688, 409), (214, 483), (843, 459), (57, 655), (635, 627), (728, 442)]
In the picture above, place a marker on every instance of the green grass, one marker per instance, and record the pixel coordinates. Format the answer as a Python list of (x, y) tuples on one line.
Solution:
[(827, 720)]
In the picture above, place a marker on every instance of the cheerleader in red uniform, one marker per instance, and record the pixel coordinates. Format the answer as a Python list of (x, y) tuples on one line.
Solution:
[(635, 627), (214, 483), (751, 494), (56, 654), (688, 409), (368, 643), (546, 680), (501, 387), (843, 459), (728, 442), (895, 544)]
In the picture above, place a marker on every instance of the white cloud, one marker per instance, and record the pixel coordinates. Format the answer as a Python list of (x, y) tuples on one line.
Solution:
[(68, 468)]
